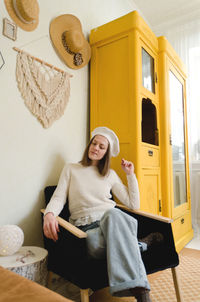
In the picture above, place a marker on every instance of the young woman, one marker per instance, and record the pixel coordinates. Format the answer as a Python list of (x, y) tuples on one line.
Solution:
[(111, 232)]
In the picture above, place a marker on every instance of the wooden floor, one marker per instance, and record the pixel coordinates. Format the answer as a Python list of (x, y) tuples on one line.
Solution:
[(72, 292), (104, 295), (190, 252)]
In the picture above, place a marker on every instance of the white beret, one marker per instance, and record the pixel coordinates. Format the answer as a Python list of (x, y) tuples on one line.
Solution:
[(111, 137)]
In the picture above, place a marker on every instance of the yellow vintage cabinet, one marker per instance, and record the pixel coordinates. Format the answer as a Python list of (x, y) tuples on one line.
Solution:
[(124, 97), (175, 184)]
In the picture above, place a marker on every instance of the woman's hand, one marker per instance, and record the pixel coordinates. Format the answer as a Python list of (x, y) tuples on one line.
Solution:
[(50, 226), (127, 166)]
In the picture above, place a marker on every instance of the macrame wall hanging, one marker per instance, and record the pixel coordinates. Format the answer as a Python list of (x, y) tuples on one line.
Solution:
[(44, 87)]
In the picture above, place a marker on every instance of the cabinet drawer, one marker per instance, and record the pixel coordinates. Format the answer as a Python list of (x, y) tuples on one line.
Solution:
[(150, 157), (181, 226)]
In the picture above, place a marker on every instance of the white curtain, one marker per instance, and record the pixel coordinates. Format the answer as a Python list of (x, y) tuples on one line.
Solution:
[(185, 39)]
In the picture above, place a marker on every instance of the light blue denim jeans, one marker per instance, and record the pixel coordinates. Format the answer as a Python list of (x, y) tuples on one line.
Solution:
[(115, 237)]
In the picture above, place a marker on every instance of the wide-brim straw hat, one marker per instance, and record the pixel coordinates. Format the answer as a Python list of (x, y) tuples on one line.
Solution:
[(69, 41), (25, 13)]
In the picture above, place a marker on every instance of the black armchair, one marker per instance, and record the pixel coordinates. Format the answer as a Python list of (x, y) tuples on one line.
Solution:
[(68, 256)]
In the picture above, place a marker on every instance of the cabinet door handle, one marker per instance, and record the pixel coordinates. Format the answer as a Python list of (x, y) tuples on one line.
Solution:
[(182, 221), (170, 139), (160, 206), (156, 77), (150, 152)]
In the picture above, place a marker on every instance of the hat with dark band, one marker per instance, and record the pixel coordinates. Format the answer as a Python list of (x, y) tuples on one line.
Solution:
[(69, 41)]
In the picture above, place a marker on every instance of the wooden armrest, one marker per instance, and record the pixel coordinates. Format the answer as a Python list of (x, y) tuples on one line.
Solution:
[(146, 214), (69, 227)]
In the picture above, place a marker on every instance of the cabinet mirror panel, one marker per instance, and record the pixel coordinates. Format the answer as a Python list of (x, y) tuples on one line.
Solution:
[(148, 71), (177, 139)]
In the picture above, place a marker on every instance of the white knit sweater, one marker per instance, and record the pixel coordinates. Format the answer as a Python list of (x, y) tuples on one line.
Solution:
[(89, 193)]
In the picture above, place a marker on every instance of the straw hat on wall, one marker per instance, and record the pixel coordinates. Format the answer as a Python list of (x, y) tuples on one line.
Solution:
[(68, 39), (25, 13)]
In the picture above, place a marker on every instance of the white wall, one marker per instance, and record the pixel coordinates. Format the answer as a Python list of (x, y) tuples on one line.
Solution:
[(31, 156)]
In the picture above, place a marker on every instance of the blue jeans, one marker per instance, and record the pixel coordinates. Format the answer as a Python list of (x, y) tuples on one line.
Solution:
[(115, 237)]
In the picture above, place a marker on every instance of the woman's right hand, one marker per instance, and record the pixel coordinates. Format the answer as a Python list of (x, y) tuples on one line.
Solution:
[(50, 226)]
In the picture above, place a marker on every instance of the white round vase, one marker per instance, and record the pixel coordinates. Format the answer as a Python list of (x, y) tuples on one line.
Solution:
[(11, 239)]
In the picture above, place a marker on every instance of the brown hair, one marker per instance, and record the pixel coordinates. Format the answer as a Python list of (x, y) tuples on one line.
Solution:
[(103, 164)]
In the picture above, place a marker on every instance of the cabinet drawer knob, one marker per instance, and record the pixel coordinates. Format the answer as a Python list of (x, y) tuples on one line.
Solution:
[(150, 152), (182, 221)]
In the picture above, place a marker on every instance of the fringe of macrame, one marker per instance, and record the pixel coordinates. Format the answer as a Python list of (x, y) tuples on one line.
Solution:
[(45, 91)]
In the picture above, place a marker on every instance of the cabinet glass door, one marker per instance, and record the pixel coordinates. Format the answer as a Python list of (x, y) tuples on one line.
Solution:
[(148, 71), (177, 140)]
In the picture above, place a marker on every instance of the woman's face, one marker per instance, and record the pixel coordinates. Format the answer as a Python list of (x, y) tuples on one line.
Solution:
[(97, 149)]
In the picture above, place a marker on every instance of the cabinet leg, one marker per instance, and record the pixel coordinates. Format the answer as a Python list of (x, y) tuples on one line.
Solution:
[(84, 295), (177, 284)]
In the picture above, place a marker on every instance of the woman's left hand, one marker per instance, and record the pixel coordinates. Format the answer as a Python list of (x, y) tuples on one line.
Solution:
[(127, 166)]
